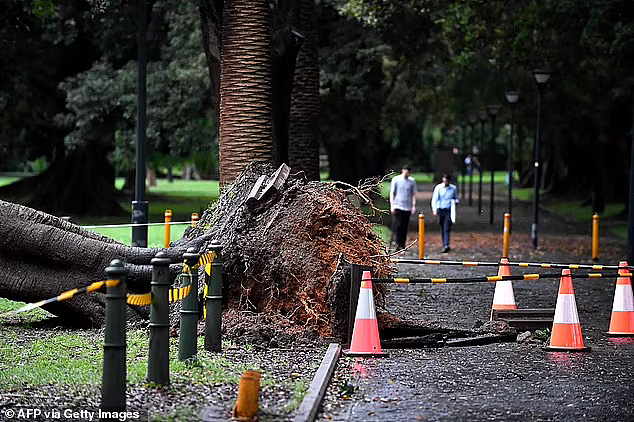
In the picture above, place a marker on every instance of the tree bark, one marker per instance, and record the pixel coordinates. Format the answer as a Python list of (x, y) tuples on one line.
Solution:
[(245, 87), (80, 183), (303, 148), (42, 256), (287, 43)]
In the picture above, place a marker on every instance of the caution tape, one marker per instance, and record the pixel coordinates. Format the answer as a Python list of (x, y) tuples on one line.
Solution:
[(173, 295), (143, 299), (595, 267), (205, 301), (65, 295), (207, 258), (491, 278), (204, 260), (210, 257)]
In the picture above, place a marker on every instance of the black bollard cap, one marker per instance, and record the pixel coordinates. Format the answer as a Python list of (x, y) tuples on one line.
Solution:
[(161, 258), (116, 269), (215, 246), (191, 257)]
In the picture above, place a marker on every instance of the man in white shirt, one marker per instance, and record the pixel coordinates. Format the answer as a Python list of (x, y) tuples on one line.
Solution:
[(441, 201), (402, 203)]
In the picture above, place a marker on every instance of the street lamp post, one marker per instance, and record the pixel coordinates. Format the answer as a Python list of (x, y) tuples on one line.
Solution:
[(511, 97), (630, 214), (463, 165), (541, 79), (472, 122), (493, 112), (483, 119), (140, 205)]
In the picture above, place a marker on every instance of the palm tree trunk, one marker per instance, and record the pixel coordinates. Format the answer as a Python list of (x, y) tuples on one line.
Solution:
[(245, 87), (303, 151)]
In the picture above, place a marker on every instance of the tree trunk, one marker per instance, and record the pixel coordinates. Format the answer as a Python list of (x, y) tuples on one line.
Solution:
[(43, 256), (303, 149), (520, 149), (287, 44), (281, 258), (80, 183), (245, 87)]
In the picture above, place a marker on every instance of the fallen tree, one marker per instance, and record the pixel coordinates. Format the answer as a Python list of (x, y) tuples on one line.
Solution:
[(281, 252)]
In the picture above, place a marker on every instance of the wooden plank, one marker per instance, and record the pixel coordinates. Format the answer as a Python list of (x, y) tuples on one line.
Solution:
[(523, 313), (529, 324), (310, 405), (254, 195), (276, 181)]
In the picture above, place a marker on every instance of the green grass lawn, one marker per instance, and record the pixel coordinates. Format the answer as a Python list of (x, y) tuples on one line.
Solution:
[(34, 356), (182, 197), (7, 180), (584, 213)]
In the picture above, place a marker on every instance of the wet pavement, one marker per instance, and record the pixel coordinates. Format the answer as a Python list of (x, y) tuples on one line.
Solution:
[(504, 381)]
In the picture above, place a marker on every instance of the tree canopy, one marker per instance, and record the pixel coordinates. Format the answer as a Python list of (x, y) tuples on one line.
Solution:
[(394, 79)]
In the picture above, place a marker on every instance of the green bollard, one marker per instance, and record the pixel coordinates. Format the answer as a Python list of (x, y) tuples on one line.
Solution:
[(187, 346), (213, 302), (114, 366), (159, 359)]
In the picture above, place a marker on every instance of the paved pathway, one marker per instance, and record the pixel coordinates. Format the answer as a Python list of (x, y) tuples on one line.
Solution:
[(508, 381)]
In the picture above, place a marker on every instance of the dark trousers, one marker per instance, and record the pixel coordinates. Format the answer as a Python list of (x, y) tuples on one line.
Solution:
[(444, 219), (401, 222)]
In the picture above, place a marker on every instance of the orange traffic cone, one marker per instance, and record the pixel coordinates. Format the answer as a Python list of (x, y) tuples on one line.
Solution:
[(365, 335), (622, 321), (503, 298), (566, 334)]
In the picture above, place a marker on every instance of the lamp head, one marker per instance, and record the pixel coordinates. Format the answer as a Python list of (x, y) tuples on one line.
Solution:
[(493, 109), (483, 115), (541, 76), (512, 96), (473, 118)]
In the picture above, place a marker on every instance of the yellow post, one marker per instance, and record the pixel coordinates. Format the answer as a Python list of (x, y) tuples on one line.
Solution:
[(194, 218), (421, 236), (246, 407), (507, 235), (595, 237), (168, 228)]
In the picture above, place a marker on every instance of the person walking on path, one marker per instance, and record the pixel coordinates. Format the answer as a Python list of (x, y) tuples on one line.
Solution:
[(402, 203), (441, 201)]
